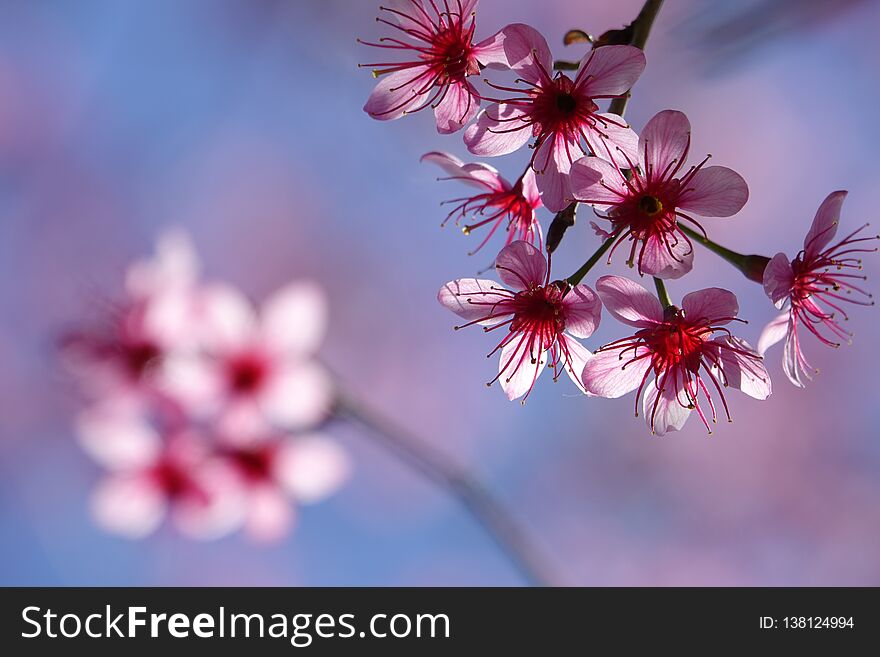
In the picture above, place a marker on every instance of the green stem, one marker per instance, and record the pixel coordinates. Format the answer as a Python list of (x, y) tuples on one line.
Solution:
[(578, 276), (752, 266), (662, 294)]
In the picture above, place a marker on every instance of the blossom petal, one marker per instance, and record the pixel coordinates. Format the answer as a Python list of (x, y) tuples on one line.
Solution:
[(664, 412), (270, 514), (475, 299), (775, 331), (576, 356), (298, 395), (715, 192), (824, 225), (499, 129), (611, 373), (312, 467), (610, 70), (530, 190), (667, 261), (519, 47), (397, 93), (117, 438), (294, 319), (459, 105), (583, 311), (519, 367), (128, 505), (747, 375), (611, 141), (793, 361), (629, 302), (520, 266), (712, 304), (227, 319), (552, 164), (664, 142), (216, 510), (778, 279), (475, 174), (598, 182)]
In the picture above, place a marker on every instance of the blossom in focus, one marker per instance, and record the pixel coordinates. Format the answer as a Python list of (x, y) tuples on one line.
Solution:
[(154, 472), (438, 36), (277, 473), (688, 352), (646, 203), (119, 355), (255, 369), (499, 203), (541, 319), (560, 113), (812, 288)]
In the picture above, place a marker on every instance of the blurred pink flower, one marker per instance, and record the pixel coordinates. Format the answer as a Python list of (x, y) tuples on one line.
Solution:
[(541, 317), (645, 204), (812, 286), (154, 473), (256, 371), (440, 38), (500, 203), (674, 345), (276, 473), (559, 112), (120, 356)]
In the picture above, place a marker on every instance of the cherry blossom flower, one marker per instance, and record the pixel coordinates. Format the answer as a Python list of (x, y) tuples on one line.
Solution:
[(682, 348), (542, 319), (255, 369), (120, 354), (559, 112), (646, 202), (498, 204), (438, 34), (812, 288), (276, 473), (157, 472)]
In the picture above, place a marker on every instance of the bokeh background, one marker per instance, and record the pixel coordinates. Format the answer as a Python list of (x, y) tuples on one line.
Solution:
[(241, 121)]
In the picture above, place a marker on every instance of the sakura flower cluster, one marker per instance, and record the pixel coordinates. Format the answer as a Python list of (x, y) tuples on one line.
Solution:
[(202, 408), (654, 205)]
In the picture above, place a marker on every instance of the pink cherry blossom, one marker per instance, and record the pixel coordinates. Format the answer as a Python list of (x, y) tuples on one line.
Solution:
[(542, 318), (646, 202), (438, 34), (683, 349), (812, 287), (560, 113), (498, 204), (276, 473), (157, 472), (255, 369), (118, 356)]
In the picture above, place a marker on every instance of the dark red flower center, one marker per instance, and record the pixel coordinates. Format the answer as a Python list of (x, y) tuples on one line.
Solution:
[(139, 356), (247, 373), (255, 464), (539, 310)]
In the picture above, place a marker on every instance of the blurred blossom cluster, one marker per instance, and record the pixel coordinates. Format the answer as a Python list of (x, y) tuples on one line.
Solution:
[(650, 202), (201, 407)]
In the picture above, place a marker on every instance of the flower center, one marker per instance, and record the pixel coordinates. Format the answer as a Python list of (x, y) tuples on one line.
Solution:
[(539, 309), (139, 356), (566, 103), (650, 205), (676, 344), (453, 54), (255, 464), (247, 373)]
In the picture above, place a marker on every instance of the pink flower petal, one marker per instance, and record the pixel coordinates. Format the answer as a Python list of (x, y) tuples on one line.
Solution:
[(520, 266), (670, 414), (474, 298), (745, 374), (666, 261), (577, 357), (312, 467), (824, 225), (227, 318), (618, 145), (530, 190), (118, 438), (397, 93), (598, 182), (610, 70), (294, 319), (712, 304), (128, 505), (175, 265), (478, 175), (513, 47), (792, 357), (776, 330), (583, 311), (520, 368), (715, 192), (299, 395), (664, 142), (778, 279), (629, 302), (610, 373), (498, 130), (270, 514), (217, 510), (459, 105)]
